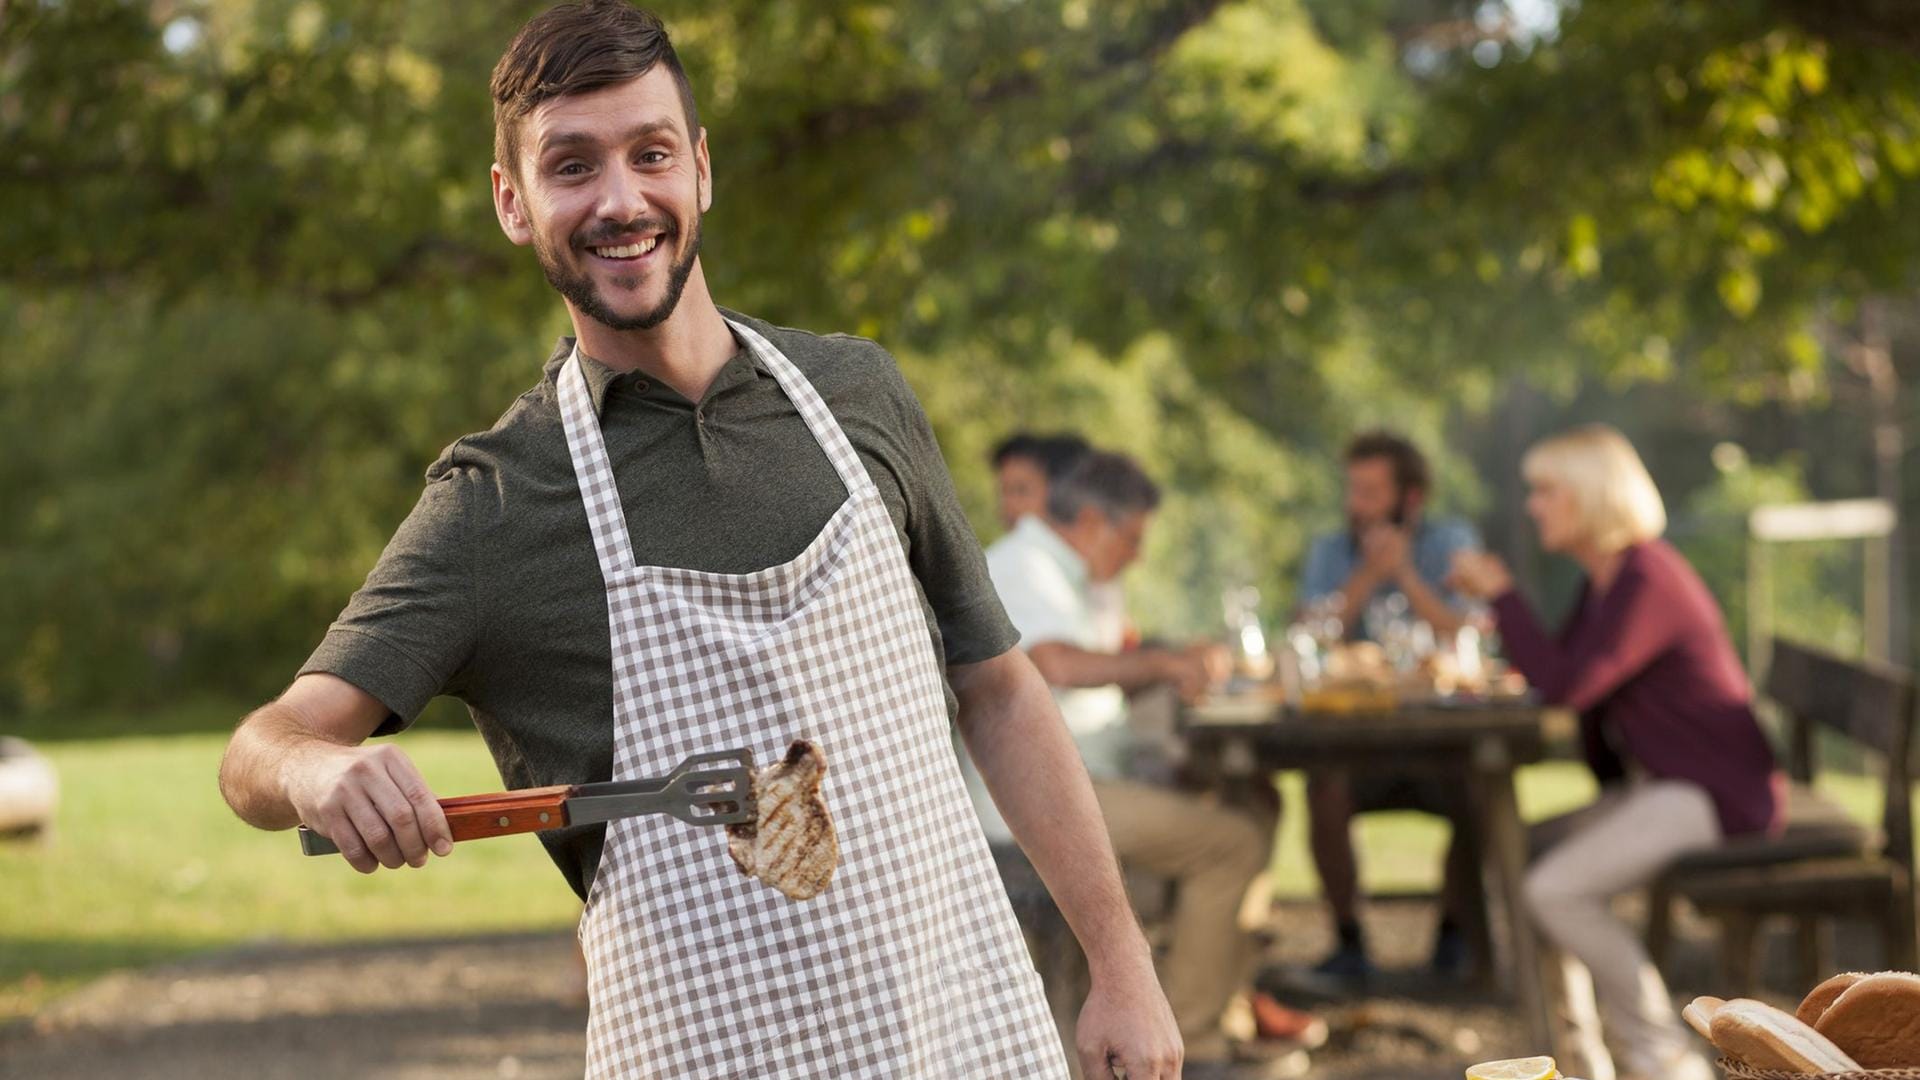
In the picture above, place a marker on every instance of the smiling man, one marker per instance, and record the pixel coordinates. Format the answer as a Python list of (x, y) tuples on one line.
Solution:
[(699, 531)]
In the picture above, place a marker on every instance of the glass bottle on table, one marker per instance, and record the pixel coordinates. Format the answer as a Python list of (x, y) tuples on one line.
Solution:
[(1252, 661), (1477, 649)]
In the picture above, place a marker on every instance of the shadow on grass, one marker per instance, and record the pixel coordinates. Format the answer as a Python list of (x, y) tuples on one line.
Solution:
[(84, 957), (35, 969)]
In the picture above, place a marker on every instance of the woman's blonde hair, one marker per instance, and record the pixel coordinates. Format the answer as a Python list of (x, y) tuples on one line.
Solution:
[(1619, 505)]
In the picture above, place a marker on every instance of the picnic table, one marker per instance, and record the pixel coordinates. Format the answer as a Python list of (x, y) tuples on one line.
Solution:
[(1236, 741)]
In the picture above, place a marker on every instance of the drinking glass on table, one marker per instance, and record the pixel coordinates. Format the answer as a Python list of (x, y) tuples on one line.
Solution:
[(1405, 638), (1313, 637)]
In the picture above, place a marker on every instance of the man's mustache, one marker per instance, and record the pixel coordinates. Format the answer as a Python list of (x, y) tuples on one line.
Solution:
[(605, 234)]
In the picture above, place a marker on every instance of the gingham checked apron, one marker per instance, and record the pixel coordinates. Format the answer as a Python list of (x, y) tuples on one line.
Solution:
[(911, 964)]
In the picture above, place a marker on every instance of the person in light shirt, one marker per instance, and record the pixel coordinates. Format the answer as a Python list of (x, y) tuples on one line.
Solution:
[(1047, 572), (1024, 465)]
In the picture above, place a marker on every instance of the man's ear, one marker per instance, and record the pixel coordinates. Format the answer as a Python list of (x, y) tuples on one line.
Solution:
[(510, 208), (703, 166)]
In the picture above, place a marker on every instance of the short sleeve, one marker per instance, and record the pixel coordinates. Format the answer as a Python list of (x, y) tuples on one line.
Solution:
[(408, 634), (943, 550), (1456, 536)]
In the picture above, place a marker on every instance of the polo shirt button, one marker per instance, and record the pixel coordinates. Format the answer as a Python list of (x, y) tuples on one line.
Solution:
[(641, 385), (699, 417)]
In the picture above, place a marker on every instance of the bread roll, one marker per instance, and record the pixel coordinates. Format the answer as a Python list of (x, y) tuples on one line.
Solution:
[(1817, 999), (1767, 1038), (1877, 1020), (1699, 1015)]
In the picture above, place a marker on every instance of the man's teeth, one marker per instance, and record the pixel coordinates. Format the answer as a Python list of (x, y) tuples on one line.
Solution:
[(627, 251)]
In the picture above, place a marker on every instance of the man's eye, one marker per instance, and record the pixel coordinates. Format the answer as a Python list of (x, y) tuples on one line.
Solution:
[(571, 168), (653, 157)]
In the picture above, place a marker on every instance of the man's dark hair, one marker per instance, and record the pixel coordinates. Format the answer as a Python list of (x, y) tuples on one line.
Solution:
[(1410, 471), (1110, 483), (572, 49), (1055, 454)]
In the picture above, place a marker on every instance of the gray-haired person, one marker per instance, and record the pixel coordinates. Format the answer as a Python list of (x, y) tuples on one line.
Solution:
[(1048, 571)]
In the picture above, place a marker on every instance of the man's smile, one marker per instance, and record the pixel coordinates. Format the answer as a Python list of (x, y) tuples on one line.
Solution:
[(627, 252)]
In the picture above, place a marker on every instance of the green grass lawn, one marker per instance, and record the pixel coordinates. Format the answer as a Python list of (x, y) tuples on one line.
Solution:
[(147, 863)]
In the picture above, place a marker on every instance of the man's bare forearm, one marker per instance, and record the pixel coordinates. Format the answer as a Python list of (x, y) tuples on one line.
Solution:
[(299, 759), (1430, 605), (1357, 593), (252, 774), (1061, 664), (1021, 748)]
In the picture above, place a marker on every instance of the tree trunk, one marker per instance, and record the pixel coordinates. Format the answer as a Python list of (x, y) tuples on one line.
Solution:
[(1873, 358)]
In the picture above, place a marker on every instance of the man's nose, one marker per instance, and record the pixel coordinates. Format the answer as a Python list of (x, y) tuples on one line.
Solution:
[(623, 196)]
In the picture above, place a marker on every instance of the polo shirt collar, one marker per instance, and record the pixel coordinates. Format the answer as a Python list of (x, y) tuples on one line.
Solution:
[(1033, 531), (602, 381)]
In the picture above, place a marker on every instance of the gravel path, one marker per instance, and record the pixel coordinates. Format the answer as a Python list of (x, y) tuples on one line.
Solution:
[(461, 1009), (502, 1007)]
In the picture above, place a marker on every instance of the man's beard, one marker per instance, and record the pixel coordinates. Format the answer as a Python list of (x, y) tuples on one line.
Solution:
[(580, 291)]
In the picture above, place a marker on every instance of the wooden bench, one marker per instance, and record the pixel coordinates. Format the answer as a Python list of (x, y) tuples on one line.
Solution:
[(1824, 864)]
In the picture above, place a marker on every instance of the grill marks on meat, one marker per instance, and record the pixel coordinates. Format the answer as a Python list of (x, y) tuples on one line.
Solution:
[(791, 846)]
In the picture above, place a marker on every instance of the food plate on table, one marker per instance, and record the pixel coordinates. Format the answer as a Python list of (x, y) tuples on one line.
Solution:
[(1235, 709)]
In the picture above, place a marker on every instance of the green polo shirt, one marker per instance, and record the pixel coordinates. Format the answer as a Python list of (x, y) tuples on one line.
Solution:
[(490, 591)]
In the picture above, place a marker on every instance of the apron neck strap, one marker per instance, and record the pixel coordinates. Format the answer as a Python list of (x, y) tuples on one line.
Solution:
[(593, 471)]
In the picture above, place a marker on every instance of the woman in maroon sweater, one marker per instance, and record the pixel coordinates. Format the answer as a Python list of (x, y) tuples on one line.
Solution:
[(1667, 719)]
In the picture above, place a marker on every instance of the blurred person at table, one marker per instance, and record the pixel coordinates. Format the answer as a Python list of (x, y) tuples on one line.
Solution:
[(1667, 723), (1046, 571), (1390, 545), (1023, 465)]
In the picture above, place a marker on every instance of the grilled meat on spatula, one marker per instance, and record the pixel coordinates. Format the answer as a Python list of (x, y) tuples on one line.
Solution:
[(791, 846)]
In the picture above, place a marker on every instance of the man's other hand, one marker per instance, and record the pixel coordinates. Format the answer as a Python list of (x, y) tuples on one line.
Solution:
[(1127, 1029)]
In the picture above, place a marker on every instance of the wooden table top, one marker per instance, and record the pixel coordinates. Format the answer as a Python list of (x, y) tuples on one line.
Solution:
[(1276, 729)]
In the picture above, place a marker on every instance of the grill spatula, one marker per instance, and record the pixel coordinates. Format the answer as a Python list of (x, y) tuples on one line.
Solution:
[(706, 789)]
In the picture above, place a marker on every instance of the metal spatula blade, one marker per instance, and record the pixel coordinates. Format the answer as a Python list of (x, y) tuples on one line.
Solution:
[(706, 789)]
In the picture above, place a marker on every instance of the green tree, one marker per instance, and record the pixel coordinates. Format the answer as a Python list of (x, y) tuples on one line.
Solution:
[(250, 281)]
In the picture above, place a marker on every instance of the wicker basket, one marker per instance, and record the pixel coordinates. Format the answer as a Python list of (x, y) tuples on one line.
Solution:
[(1737, 1070)]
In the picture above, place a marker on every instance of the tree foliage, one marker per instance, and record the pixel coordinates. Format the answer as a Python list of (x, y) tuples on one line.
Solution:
[(250, 280)]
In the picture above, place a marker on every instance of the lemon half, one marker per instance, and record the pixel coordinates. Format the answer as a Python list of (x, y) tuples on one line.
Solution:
[(1533, 1068)]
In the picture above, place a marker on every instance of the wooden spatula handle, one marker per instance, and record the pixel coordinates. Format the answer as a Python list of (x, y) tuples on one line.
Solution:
[(476, 817)]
